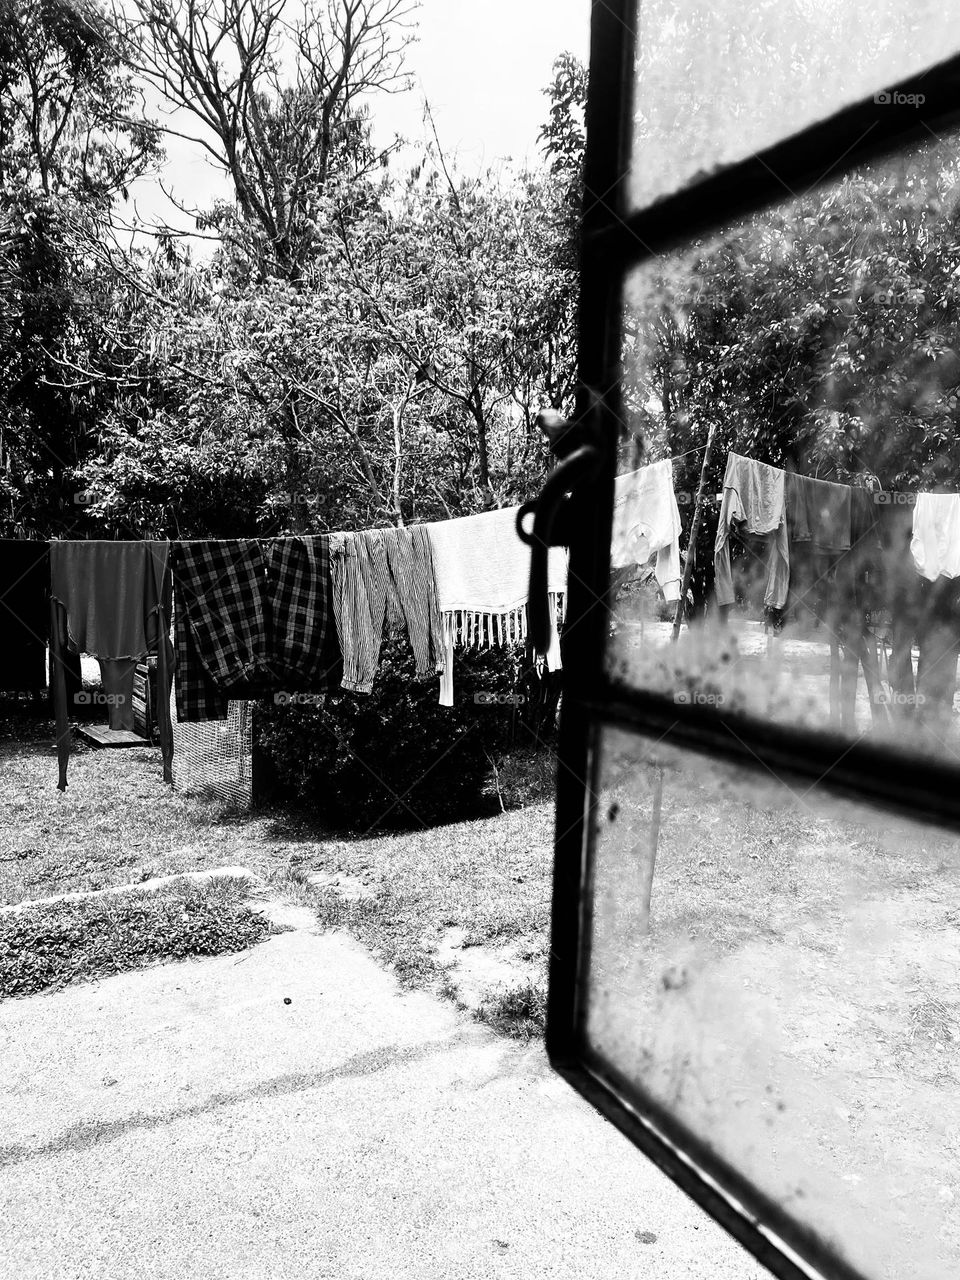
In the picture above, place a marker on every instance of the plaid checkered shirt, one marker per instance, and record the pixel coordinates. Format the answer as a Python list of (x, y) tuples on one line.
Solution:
[(251, 619)]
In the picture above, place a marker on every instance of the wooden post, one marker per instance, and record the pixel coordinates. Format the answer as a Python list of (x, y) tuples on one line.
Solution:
[(834, 679), (646, 886), (650, 863), (692, 535)]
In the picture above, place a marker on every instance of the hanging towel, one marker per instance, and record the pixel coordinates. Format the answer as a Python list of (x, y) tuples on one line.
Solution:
[(483, 584), (482, 566), (251, 620), (935, 544), (646, 523), (819, 512), (110, 600), (24, 614), (753, 498)]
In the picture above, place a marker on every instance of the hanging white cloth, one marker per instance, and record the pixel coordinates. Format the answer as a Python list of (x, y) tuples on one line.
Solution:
[(646, 523), (935, 544)]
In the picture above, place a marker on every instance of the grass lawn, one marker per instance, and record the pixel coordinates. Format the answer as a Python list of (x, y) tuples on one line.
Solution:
[(484, 881), (43, 948)]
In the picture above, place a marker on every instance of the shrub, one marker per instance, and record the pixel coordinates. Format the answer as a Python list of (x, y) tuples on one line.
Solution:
[(395, 758)]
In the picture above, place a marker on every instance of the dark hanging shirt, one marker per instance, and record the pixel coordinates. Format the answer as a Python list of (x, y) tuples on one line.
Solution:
[(24, 614)]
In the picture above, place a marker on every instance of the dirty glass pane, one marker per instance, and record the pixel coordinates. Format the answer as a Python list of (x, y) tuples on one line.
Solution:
[(783, 976), (816, 348), (718, 81)]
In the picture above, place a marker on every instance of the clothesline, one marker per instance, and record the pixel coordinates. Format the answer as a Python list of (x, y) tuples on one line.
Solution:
[(253, 615), (253, 611)]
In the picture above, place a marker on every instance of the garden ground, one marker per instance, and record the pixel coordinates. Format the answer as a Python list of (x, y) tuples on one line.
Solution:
[(294, 1109), (822, 955), (289, 1112), (460, 908)]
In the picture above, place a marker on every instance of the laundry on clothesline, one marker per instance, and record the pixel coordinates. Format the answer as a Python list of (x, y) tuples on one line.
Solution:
[(935, 535), (251, 619), (753, 501), (384, 577), (110, 600), (646, 524), (24, 610), (818, 512), (871, 565), (483, 586)]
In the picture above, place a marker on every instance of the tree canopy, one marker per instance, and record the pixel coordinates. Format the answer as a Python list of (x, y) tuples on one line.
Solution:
[(367, 345)]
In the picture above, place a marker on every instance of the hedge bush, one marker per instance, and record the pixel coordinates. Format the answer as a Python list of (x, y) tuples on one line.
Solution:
[(395, 758)]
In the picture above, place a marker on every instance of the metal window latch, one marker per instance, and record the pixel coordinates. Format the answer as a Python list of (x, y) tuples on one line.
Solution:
[(577, 444)]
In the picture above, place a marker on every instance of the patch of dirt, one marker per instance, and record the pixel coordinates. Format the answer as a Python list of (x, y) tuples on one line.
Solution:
[(351, 888), (477, 972)]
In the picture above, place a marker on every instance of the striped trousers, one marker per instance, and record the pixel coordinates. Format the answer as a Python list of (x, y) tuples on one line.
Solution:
[(384, 576)]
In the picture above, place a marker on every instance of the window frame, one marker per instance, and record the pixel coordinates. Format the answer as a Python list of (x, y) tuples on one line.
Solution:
[(614, 239)]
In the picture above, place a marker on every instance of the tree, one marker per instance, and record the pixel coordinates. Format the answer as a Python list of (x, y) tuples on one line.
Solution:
[(276, 101), (66, 104), (563, 140), (69, 146), (411, 357)]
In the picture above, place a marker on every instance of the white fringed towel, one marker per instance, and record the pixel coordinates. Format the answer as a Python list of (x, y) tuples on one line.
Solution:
[(483, 584), (482, 566)]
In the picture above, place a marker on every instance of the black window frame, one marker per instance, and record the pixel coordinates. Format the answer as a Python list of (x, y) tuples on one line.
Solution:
[(616, 238)]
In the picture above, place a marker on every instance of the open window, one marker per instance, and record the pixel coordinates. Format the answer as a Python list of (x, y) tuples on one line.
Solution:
[(755, 961)]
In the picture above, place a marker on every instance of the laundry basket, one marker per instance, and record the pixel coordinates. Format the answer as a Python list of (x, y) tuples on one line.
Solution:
[(215, 757)]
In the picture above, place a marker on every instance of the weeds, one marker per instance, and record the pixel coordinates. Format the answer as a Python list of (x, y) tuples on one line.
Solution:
[(520, 1012), (77, 940)]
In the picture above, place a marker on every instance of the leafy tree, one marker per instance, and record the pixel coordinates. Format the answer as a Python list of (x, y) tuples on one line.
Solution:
[(410, 359), (69, 146)]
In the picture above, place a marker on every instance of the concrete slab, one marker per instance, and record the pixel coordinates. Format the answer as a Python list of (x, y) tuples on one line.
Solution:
[(288, 1112)]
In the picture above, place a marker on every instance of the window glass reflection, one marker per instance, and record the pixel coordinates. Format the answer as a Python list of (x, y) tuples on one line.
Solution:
[(799, 377)]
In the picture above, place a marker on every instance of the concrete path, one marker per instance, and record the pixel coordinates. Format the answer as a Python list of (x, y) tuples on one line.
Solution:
[(187, 1121)]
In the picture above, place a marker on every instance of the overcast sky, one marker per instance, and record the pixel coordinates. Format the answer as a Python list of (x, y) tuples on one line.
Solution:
[(482, 66)]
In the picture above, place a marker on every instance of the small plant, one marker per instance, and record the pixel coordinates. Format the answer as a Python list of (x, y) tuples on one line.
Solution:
[(520, 1012)]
